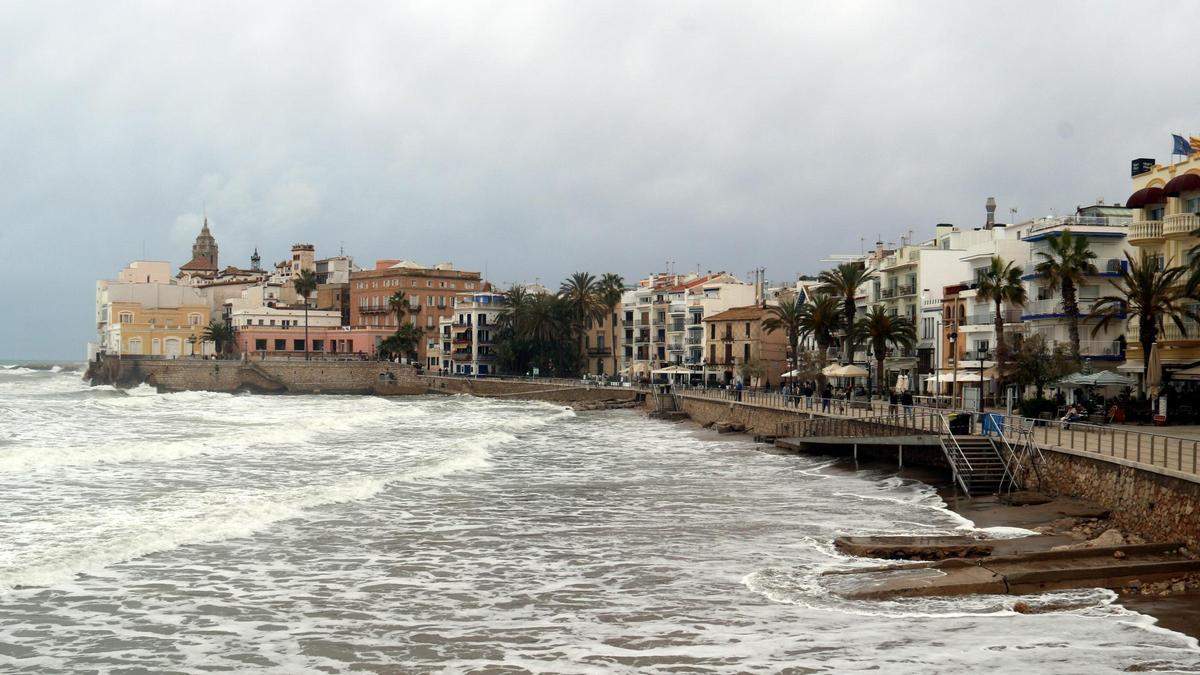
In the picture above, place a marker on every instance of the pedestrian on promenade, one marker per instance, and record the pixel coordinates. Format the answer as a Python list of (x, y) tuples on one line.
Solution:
[(893, 400), (826, 395), (906, 400)]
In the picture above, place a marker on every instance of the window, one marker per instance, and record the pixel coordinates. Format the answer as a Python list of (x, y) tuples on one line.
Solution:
[(260, 344), (747, 331), (318, 345), (298, 345), (280, 345), (746, 353), (712, 331), (1156, 213), (429, 283), (470, 286), (126, 317), (429, 300), (1191, 205)]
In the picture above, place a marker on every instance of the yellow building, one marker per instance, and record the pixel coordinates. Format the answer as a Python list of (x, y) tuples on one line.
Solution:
[(152, 319), (1166, 204)]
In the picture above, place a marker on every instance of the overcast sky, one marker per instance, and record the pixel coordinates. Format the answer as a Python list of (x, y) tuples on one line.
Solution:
[(534, 139)]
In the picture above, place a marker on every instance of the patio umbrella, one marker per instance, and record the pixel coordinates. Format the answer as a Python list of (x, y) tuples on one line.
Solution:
[(1107, 378), (849, 370), (1154, 374), (830, 370)]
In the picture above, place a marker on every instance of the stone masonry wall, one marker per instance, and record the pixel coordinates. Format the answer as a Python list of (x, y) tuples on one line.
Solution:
[(1152, 503)]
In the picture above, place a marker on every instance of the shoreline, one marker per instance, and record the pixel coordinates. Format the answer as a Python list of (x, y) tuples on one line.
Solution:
[(1178, 612)]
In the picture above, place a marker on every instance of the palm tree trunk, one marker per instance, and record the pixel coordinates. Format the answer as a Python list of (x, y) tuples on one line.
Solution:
[(880, 355), (1000, 350), (1071, 309), (848, 345), (1147, 335)]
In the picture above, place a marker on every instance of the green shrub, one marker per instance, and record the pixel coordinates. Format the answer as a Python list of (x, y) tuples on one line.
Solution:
[(1035, 406)]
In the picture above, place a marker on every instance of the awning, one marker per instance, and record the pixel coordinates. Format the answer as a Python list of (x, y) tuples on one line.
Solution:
[(849, 370), (1187, 182), (1150, 195), (1192, 373)]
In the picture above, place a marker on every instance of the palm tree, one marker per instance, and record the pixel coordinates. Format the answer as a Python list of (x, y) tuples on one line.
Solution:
[(1153, 293), (999, 283), (821, 320), (398, 303), (842, 282), (581, 292), (1065, 266), (305, 283), (612, 287), (788, 316), (219, 333), (880, 329)]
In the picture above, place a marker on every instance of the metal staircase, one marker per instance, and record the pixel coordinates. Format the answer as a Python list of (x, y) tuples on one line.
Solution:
[(1023, 454), (977, 464)]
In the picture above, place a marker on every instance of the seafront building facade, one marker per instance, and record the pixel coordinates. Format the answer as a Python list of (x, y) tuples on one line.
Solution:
[(149, 318), (466, 343), (737, 343), (1165, 223)]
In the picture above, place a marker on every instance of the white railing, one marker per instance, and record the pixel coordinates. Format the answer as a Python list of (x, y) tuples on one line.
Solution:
[(1180, 224), (1146, 229)]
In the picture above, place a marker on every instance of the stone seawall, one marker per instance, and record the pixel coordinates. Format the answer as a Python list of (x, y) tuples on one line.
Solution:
[(1156, 503), (335, 377)]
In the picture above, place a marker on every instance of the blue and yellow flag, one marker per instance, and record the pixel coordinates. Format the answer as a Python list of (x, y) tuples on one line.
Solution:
[(1182, 147)]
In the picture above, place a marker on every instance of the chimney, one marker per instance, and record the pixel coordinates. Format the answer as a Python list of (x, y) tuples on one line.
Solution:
[(991, 212)]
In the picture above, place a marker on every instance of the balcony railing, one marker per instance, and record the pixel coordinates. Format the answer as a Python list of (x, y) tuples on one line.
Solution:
[(910, 289), (1043, 224), (373, 310), (695, 340), (678, 308), (887, 293), (989, 318), (1145, 230), (1180, 225), (1055, 306), (599, 351)]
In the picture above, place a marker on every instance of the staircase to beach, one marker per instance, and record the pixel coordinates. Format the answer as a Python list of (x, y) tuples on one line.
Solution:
[(979, 468)]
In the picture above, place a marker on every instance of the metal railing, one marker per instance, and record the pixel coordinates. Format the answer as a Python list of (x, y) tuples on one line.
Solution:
[(954, 454)]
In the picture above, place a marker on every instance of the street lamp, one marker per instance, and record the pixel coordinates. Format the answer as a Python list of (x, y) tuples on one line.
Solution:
[(953, 338)]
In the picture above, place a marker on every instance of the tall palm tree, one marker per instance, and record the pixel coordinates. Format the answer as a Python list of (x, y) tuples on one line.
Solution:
[(788, 316), (821, 320), (398, 303), (880, 329), (305, 283), (581, 292), (1066, 266), (219, 333), (999, 283), (1153, 293), (612, 288), (842, 282)]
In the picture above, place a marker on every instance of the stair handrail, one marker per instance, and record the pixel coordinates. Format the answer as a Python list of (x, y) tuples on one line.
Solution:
[(1010, 473), (955, 456)]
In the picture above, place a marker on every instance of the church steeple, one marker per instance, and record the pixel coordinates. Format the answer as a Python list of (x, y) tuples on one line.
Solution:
[(205, 246), (256, 261)]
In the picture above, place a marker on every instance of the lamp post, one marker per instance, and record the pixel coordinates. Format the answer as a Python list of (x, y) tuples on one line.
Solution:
[(953, 338)]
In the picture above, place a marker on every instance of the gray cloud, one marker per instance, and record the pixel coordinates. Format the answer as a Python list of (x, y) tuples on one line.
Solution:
[(539, 138)]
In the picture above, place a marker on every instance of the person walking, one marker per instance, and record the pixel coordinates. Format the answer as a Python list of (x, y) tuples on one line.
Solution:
[(906, 400), (826, 396)]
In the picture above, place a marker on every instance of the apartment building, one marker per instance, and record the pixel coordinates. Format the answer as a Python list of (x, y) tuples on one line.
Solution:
[(1165, 208), (466, 340), (1106, 229), (736, 337), (431, 293)]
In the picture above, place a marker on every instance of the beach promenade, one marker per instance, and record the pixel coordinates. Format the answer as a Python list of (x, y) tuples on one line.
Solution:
[(1168, 449)]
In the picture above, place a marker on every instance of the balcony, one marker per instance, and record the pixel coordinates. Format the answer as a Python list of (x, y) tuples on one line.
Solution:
[(989, 318), (887, 293), (695, 340), (910, 289), (727, 336), (1180, 225), (675, 347), (599, 351), (678, 308), (374, 310), (1054, 307), (1145, 232)]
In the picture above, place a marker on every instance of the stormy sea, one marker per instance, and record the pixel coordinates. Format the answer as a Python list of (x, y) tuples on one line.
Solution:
[(202, 532)]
